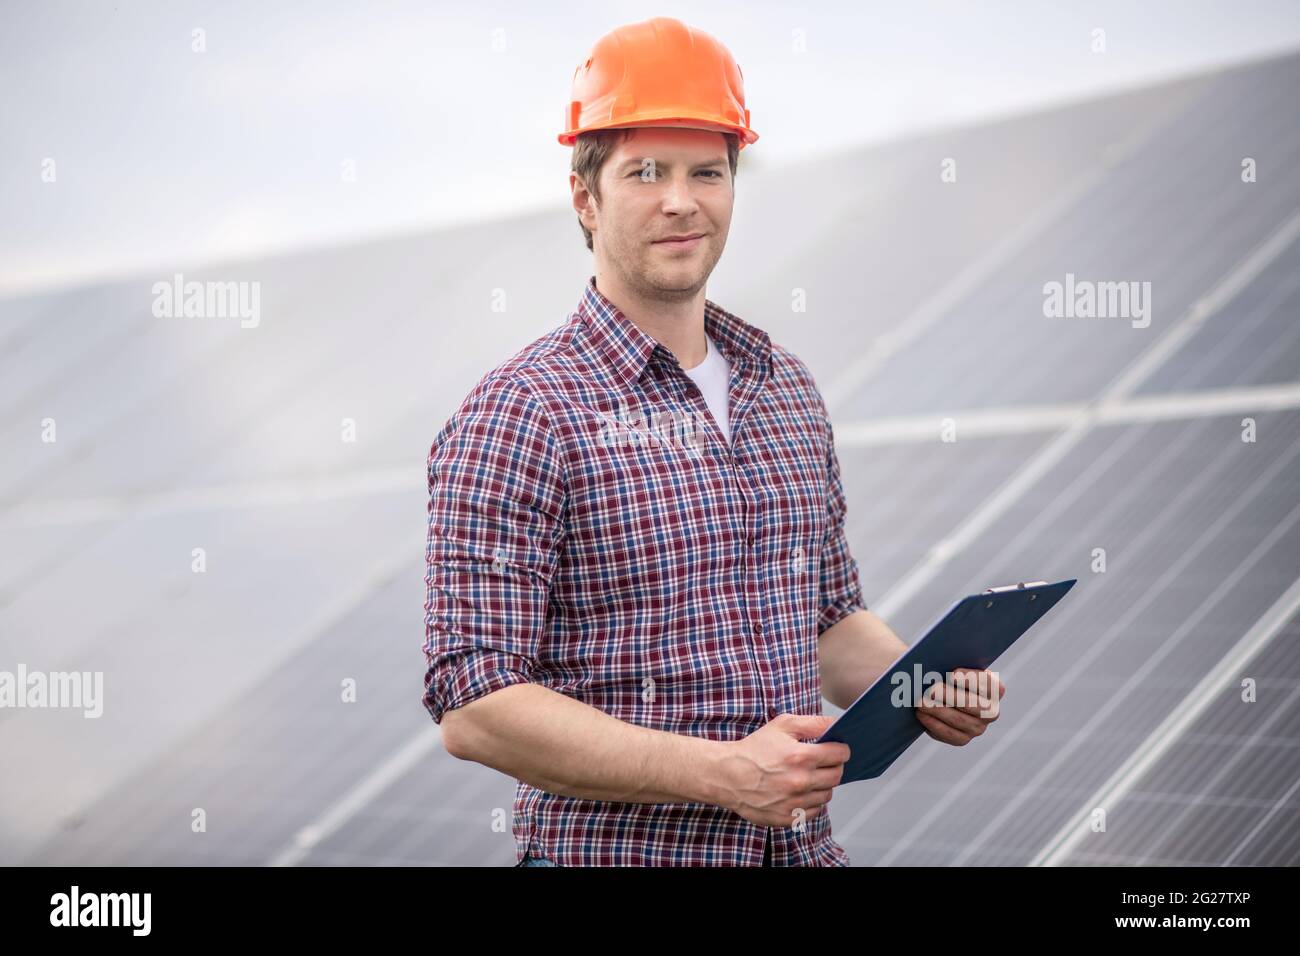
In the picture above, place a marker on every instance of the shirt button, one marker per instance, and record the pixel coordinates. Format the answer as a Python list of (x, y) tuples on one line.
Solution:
[(758, 628)]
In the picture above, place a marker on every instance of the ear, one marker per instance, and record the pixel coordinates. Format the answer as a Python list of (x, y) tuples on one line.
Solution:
[(584, 203)]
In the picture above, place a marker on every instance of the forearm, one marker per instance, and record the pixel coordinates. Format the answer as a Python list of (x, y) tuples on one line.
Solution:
[(564, 746), (853, 653)]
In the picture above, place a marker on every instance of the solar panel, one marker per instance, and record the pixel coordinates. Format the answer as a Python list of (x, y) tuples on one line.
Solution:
[(1075, 438)]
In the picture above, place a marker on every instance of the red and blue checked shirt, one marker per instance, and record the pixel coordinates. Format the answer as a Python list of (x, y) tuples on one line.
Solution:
[(591, 531)]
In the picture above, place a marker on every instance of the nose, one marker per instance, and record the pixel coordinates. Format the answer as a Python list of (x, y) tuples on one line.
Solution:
[(678, 197)]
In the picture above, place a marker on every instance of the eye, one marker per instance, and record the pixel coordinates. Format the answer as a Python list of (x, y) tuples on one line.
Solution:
[(703, 172)]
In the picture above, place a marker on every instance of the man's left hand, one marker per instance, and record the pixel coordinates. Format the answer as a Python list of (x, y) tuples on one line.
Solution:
[(958, 711)]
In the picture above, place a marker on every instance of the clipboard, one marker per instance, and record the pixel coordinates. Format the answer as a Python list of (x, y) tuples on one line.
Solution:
[(974, 633)]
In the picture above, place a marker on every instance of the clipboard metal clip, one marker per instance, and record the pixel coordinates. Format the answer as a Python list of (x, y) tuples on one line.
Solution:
[(1015, 587)]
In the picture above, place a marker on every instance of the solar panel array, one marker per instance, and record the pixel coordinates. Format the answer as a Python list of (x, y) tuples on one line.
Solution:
[(1162, 691)]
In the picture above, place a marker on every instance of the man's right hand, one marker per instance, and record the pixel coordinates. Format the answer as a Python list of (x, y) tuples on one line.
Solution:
[(771, 774)]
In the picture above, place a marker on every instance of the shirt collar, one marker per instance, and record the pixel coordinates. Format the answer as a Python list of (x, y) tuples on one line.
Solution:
[(626, 349)]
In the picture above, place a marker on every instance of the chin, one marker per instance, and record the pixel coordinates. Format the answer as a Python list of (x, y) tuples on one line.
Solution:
[(678, 280)]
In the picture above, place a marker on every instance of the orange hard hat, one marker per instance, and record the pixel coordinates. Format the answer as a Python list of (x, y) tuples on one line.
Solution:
[(658, 72)]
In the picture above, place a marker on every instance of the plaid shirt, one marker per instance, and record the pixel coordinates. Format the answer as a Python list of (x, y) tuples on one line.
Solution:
[(590, 531)]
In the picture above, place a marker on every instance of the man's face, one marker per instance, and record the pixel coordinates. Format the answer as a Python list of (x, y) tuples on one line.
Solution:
[(662, 182)]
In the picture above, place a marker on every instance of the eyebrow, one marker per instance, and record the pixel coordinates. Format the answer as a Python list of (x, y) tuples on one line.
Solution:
[(640, 161)]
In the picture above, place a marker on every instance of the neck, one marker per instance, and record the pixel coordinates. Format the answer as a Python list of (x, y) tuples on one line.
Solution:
[(675, 323)]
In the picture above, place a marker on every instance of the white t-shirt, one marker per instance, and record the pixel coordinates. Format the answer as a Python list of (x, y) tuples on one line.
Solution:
[(713, 378)]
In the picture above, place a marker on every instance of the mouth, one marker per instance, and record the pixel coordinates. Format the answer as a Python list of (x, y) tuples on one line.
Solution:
[(689, 241)]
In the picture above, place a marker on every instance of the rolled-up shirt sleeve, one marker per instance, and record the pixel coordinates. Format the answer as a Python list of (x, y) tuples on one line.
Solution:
[(496, 525), (840, 588)]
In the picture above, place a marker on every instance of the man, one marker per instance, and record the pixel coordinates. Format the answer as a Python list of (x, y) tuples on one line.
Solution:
[(639, 585)]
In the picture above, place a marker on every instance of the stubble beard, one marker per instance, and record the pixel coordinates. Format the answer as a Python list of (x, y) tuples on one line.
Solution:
[(652, 282)]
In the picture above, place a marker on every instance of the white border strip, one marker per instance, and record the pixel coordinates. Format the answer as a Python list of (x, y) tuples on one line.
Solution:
[(908, 429), (259, 494), (1024, 419)]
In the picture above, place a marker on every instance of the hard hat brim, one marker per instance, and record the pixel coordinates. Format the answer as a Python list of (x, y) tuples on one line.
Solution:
[(747, 136)]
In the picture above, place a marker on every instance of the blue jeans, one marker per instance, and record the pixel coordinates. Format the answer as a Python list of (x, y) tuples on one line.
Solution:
[(530, 860)]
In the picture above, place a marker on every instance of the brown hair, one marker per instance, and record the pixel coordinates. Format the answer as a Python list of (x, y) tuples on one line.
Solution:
[(592, 149)]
